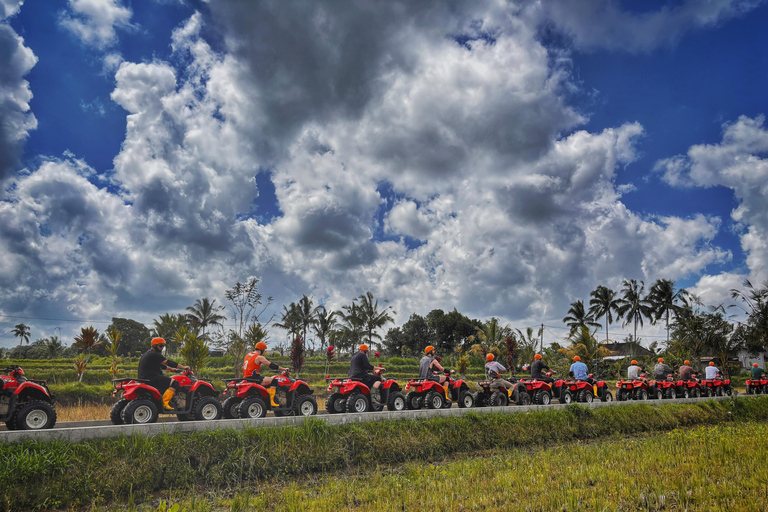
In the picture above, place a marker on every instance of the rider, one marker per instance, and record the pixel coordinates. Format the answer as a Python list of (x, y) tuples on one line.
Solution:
[(711, 371), (578, 370), (151, 366), (493, 370), (661, 370), (757, 372), (429, 364), (253, 363), (633, 372), (537, 369), (359, 367), (685, 371)]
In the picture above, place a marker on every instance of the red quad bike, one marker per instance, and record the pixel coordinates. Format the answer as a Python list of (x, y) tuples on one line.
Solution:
[(503, 397), (354, 396), (585, 392), (757, 386), (433, 395), (688, 388), (539, 392), (716, 387), (635, 389), (660, 389), (25, 404), (284, 397), (561, 390), (141, 403)]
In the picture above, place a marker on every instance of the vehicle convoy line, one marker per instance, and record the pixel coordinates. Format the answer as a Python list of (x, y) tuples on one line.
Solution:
[(75, 432)]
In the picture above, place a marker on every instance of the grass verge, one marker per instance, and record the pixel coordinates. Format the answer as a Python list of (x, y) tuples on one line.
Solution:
[(96, 472)]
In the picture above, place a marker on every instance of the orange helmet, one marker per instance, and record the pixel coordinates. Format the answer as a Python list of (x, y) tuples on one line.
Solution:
[(686, 362), (489, 357), (157, 341), (429, 349), (577, 358), (261, 346), (363, 347), (711, 363), (755, 365), (633, 362), (661, 359), (537, 356)]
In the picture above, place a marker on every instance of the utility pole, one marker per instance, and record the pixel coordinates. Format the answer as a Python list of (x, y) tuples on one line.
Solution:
[(541, 349)]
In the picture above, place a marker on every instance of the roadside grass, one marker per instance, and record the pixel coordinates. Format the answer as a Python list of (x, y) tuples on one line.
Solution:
[(108, 470), (83, 411)]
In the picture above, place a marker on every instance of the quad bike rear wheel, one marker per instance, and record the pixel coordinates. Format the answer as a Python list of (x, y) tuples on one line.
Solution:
[(35, 415), (498, 399), (357, 403), (641, 395), (305, 405), (230, 407), (116, 411), (659, 394), (466, 400), (335, 403), (138, 412), (479, 398), (396, 402), (686, 393), (720, 391), (252, 408), (434, 400), (695, 393), (607, 397), (565, 397), (413, 401)]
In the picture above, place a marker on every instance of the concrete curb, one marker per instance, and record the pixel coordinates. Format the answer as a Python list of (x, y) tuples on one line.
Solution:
[(78, 434)]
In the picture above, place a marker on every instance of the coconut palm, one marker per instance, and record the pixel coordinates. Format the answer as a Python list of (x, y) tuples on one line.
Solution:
[(633, 305), (527, 343), (203, 314), (289, 319), (585, 345), (22, 332), (86, 341), (372, 316), (578, 317), (604, 304), (664, 300), (165, 326), (325, 324), (305, 316), (756, 300)]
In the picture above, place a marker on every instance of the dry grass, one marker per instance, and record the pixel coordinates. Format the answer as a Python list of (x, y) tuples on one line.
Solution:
[(82, 412)]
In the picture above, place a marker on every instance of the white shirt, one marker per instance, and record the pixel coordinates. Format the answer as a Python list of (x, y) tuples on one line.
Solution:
[(633, 372), (711, 372)]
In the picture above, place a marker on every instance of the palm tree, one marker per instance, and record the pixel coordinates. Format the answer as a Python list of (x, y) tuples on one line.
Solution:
[(203, 314), (305, 316), (53, 347), (527, 344), (86, 341), (22, 332), (633, 306), (166, 326), (289, 320), (664, 300), (325, 324), (372, 316), (578, 317), (350, 333), (756, 300), (602, 305), (585, 345)]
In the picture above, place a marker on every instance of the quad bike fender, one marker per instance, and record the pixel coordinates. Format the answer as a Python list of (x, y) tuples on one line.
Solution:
[(29, 390), (251, 388), (354, 385), (203, 388), (393, 386), (429, 385), (140, 390), (301, 388)]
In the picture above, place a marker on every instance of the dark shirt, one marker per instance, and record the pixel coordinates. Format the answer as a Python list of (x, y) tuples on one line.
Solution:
[(359, 366), (686, 372), (425, 367), (660, 371), (151, 364), (757, 372), (537, 367)]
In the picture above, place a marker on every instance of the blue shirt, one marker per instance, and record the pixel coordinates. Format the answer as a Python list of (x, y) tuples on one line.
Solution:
[(579, 370)]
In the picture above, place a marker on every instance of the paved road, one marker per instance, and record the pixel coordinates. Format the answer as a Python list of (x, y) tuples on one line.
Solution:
[(82, 431)]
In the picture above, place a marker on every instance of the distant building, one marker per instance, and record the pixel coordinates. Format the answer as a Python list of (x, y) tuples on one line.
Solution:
[(622, 350)]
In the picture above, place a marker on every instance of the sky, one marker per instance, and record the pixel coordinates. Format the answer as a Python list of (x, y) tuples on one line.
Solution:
[(503, 158)]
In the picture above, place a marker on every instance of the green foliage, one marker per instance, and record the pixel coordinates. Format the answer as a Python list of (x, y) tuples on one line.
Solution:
[(134, 336), (194, 349)]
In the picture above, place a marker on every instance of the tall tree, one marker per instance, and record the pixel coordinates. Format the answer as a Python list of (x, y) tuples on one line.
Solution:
[(289, 320), (134, 336), (410, 338), (578, 317), (203, 314), (247, 304), (585, 345), (165, 326), (22, 332), (305, 316), (325, 324), (86, 341), (756, 300), (350, 334), (527, 343), (665, 300), (372, 316), (603, 304), (633, 305), (53, 347)]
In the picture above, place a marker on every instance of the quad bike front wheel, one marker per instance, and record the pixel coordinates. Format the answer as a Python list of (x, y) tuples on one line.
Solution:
[(207, 408), (479, 398), (413, 401), (357, 403), (116, 411), (565, 397), (607, 397), (659, 394), (305, 405), (641, 395), (230, 407), (434, 400), (396, 402), (498, 399), (139, 412), (466, 400), (542, 397), (35, 415)]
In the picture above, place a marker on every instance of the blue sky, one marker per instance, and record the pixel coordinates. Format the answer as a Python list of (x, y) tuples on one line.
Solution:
[(503, 158)]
